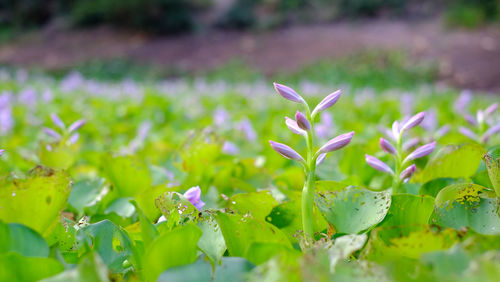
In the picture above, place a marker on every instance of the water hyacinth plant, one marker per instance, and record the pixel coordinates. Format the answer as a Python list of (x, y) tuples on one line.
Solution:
[(403, 170), (303, 125), (483, 125), (66, 135), (193, 195)]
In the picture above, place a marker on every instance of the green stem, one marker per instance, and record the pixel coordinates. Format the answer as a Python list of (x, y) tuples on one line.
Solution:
[(309, 186), (396, 182)]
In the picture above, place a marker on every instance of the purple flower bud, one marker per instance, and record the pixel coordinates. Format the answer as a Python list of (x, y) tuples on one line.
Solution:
[(467, 132), (230, 148), (193, 195), (480, 116), (73, 138), (395, 130), (491, 109), (414, 121), (442, 131), (302, 121), (288, 93), (57, 121), (378, 164), (410, 144), (52, 133), (421, 152), (470, 119), (1, 151), (492, 130), (76, 125), (327, 102), (286, 151), (387, 146), (463, 101), (408, 172), (321, 158), (336, 143), (293, 126)]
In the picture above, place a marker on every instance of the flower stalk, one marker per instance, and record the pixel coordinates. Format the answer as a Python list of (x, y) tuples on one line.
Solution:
[(304, 125)]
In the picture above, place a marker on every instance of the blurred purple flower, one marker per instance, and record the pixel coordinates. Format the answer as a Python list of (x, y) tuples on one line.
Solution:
[(57, 121), (221, 116), (230, 148), (52, 133), (73, 138), (337, 143), (378, 164), (396, 130), (6, 117), (327, 102), (193, 195), (288, 93), (76, 125), (246, 127), (421, 152), (491, 109), (442, 131), (302, 121), (492, 130), (467, 132), (410, 144), (463, 101), (286, 151), (325, 127), (407, 102), (470, 119)]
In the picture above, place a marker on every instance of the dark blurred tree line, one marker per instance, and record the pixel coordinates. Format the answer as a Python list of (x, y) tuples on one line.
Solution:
[(172, 16)]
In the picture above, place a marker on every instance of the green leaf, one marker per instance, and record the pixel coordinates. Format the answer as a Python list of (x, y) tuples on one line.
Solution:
[(258, 204), (493, 167), (174, 248), (84, 193), (232, 269), (176, 209), (453, 162), (23, 240), (260, 252), (408, 211), (36, 201), (148, 230), (110, 242), (212, 241), (433, 187), (461, 193), (240, 232), (394, 243), (15, 267), (129, 175), (90, 268), (354, 209)]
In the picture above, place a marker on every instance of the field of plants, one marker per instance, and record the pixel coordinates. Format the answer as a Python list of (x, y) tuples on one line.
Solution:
[(206, 179)]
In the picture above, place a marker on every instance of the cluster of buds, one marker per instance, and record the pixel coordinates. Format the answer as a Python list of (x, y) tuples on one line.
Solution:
[(403, 170), (303, 125), (66, 135), (483, 125)]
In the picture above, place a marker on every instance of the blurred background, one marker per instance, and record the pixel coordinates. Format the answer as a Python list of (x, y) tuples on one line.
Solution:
[(372, 42)]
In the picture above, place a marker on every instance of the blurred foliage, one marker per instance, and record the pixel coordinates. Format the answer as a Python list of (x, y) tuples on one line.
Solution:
[(174, 16)]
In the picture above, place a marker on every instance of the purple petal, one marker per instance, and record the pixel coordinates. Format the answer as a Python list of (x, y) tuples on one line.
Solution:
[(414, 121), (410, 144), (230, 148), (52, 133), (470, 119), (421, 152), (491, 109), (1, 151), (73, 138), (76, 125), (337, 143), (467, 132), (378, 164), (302, 121), (286, 151), (408, 172), (193, 195), (321, 158), (492, 130), (387, 146), (292, 125), (442, 131), (395, 130), (57, 121), (462, 101), (288, 93), (327, 102)]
